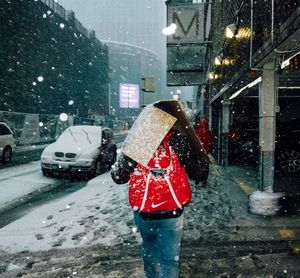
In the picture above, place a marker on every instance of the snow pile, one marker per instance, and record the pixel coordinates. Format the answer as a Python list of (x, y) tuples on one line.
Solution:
[(265, 202)]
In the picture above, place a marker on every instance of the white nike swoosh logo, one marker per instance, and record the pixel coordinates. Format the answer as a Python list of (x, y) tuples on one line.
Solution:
[(157, 205)]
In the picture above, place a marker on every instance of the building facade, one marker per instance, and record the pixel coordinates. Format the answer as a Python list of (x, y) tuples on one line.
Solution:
[(251, 86), (129, 64), (252, 73), (50, 63)]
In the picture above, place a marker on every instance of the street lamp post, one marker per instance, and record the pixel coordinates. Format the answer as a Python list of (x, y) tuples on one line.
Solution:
[(109, 100)]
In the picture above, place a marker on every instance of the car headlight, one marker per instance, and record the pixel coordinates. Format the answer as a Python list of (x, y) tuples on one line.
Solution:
[(46, 154)]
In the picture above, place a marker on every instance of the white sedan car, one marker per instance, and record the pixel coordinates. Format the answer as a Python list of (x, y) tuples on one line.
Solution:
[(7, 143), (81, 149)]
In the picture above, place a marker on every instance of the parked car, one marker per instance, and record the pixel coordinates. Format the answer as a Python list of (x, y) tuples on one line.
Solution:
[(85, 150), (7, 142), (244, 146), (243, 143)]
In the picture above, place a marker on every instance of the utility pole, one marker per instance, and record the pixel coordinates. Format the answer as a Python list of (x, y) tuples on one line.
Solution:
[(265, 201)]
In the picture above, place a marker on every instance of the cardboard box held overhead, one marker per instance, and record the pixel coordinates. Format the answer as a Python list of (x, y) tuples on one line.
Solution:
[(147, 133), (151, 127)]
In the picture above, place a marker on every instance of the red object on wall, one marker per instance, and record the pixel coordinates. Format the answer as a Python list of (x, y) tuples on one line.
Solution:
[(252, 73)]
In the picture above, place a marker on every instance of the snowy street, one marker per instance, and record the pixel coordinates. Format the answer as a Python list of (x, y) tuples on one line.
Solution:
[(96, 223), (19, 181), (150, 139)]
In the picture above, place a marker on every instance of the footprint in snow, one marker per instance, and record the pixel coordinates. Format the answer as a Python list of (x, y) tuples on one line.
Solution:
[(78, 237), (59, 242), (51, 224), (61, 229), (39, 236)]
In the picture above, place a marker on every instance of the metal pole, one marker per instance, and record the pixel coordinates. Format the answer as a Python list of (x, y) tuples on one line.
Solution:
[(267, 125), (109, 100), (225, 129)]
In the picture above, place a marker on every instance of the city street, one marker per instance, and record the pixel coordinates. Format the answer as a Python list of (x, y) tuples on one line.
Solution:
[(90, 233), (112, 106)]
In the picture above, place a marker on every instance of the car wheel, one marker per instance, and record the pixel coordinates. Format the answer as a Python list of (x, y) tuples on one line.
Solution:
[(46, 172), (289, 161), (97, 168), (114, 159), (7, 154)]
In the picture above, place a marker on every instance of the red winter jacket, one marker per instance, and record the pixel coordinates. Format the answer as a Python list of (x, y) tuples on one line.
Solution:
[(161, 186), (177, 155), (205, 135)]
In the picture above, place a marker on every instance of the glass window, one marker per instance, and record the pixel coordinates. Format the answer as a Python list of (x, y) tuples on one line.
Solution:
[(4, 130)]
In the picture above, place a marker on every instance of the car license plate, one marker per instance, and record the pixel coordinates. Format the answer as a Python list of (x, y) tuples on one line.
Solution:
[(63, 165)]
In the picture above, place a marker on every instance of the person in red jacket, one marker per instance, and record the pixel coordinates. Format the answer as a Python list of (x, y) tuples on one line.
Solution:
[(158, 193), (205, 135), (206, 138)]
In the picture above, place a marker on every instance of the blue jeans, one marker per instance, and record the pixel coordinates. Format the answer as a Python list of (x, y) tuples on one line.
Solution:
[(160, 245)]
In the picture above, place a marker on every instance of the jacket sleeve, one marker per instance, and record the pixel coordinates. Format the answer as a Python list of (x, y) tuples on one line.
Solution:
[(122, 169), (196, 167)]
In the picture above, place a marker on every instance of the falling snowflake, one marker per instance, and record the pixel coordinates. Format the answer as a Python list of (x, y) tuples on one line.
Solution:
[(63, 117), (40, 79)]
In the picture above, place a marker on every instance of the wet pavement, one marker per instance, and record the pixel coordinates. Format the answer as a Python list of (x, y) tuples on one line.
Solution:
[(221, 239)]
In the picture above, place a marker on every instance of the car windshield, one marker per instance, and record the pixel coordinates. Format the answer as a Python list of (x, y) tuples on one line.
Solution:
[(150, 138), (80, 136)]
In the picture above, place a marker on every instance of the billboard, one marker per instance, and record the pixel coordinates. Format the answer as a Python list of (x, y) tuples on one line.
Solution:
[(129, 95)]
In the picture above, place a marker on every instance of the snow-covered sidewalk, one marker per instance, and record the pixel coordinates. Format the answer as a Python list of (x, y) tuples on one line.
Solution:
[(99, 213), (90, 233)]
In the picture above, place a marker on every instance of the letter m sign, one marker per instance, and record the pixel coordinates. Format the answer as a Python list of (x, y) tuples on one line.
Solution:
[(189, 21)]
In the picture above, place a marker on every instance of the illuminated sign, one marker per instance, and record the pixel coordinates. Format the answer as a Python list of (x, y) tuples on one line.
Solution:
[(129, 95)]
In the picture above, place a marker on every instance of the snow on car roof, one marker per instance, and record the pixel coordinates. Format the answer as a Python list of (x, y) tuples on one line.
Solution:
[(88, 128)]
